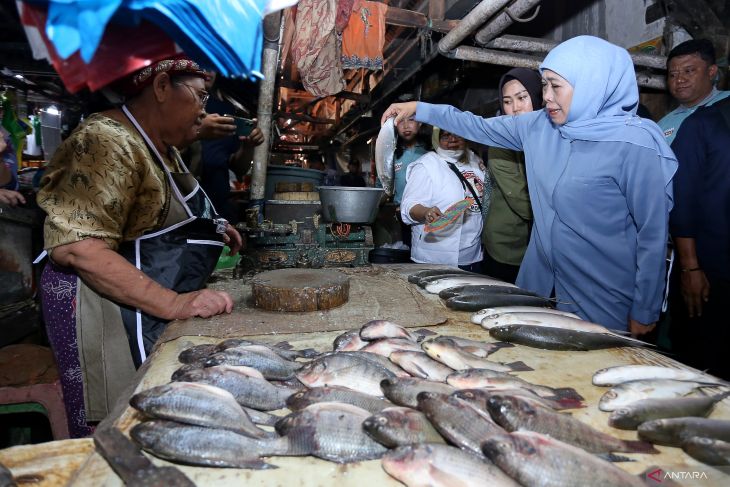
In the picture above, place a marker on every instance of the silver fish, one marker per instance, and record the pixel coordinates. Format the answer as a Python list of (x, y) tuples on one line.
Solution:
[(673, 431), (442, 466), (385, 156), (477, 398), (248, 391), (513, 413), (458, 422), (282, 349), (332, 431), (551, 338), (196, 404), (196, 354), (631, 416), (534, 459), (302, 399), (611, 376), (475, 347), (707, 450), (436, 287), (417, 276), (623, 394), (418, 364), (379, 360), (448, 353), (376, 329), (396, 426), (478, 316), (348, 341), (345, 370), (262, 358), (386, 346), (404, 392), (210, 447)]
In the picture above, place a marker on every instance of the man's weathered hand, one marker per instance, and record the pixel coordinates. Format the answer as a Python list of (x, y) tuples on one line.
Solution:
[(695, 291)]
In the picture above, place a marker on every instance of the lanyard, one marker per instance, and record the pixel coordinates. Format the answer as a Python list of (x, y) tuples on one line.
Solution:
[(465, 183)]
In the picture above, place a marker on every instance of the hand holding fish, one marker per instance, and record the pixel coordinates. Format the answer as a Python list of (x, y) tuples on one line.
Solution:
[(401, 111)]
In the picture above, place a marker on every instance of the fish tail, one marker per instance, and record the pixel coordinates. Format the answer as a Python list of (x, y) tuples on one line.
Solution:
[(309, 353), (519, 367), (638, 446), (612, 457), (283, 345), (567, 393)]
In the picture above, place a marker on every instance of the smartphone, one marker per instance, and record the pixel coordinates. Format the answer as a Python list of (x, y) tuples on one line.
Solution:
[(244, 126)]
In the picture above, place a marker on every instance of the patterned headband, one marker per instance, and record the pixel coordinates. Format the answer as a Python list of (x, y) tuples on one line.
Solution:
[(136, 82)]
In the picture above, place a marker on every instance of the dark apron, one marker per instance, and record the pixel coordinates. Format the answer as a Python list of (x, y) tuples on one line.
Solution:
[(180, 256)]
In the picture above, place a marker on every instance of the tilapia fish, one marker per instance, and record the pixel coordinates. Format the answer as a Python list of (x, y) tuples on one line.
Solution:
[(302, 399), (345, 370), (673, 431), (474, 302), (477, 289), (448, 353), (534, 459), (196, 404), (348, 341), (489, 379), (396, 426), (442, 466), (386, 346), (331, 431), (196, 354), (631, 416), (458, 422), (550, 338), (385, 155), (416, 276), (512, 413), (626, 393), (436, 287), (253, 392), (420, 365), (708, 450), (624, 373), (379, 360), (376, 329), (474, 347), (477, 317), (261, 358), (282, 349), (477, 398), (404, 392), (210, 447)]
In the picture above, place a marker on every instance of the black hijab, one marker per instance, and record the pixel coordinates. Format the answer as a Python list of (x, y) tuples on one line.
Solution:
[(530, 79)]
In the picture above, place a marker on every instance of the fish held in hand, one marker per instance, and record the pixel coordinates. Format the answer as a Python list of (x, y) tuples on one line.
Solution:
[(397, 426)]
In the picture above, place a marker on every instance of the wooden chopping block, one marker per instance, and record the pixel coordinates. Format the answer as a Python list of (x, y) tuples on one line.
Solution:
[(300, 289)]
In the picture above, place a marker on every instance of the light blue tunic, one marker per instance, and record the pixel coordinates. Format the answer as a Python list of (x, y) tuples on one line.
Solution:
[(601, 214)]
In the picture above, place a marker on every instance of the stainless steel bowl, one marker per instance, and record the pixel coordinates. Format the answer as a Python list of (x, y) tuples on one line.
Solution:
[(344, 204)]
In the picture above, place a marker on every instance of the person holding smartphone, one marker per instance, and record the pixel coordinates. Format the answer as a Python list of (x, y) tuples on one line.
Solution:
[(223, 150)]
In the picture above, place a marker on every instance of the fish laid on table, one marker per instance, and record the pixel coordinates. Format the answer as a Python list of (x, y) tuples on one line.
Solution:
[(442, 466), (346, 370), (210, 447), (513, 413), (283, 349), (379, 360), (489, 379), (708, 450), (439, 285), (386, 346), (549, 338), (448, 353), (248, 391), (551, 320), (626, 393), (611, 376), (261, 358), (397, 426), (458, 422), (261, 417), (416, 276), (474, 302), (632, 415), (348, 341), (420, 365), (302, 399), (404, 391), (332, 431), (478, 398), (481, 289), (673, 431), (534, 459), (377, 329), (475, 347), (477, 317), (196, 404), (197, 354)]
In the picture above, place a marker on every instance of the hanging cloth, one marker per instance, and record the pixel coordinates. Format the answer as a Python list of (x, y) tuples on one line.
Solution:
[(316, 49), (364, 37)]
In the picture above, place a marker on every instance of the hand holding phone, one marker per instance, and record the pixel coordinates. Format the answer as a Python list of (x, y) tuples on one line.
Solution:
[(244, 126)]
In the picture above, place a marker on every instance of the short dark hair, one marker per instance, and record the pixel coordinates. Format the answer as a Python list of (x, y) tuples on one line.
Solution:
[(701, 47)]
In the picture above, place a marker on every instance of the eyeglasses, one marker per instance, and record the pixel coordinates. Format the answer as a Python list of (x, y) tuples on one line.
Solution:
[(201, 96), (446, 135)]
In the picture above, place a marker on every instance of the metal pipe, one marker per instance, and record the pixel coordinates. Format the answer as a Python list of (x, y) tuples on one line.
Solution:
[(479, 14), (531, 44), (499, 23), (480, 55), (272, 28)]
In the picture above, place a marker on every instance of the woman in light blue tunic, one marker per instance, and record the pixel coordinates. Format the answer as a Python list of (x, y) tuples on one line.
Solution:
[(600, 184)]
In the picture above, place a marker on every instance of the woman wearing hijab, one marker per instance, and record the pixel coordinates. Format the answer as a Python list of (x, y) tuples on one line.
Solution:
[(600, 184), (507, 226), (434, 182)]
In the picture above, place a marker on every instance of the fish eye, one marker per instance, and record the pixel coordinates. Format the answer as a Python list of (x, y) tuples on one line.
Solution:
[(623, 411), (299, 395), (382, 420)]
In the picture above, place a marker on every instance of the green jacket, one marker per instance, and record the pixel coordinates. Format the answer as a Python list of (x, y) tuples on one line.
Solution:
[(507, 228)]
